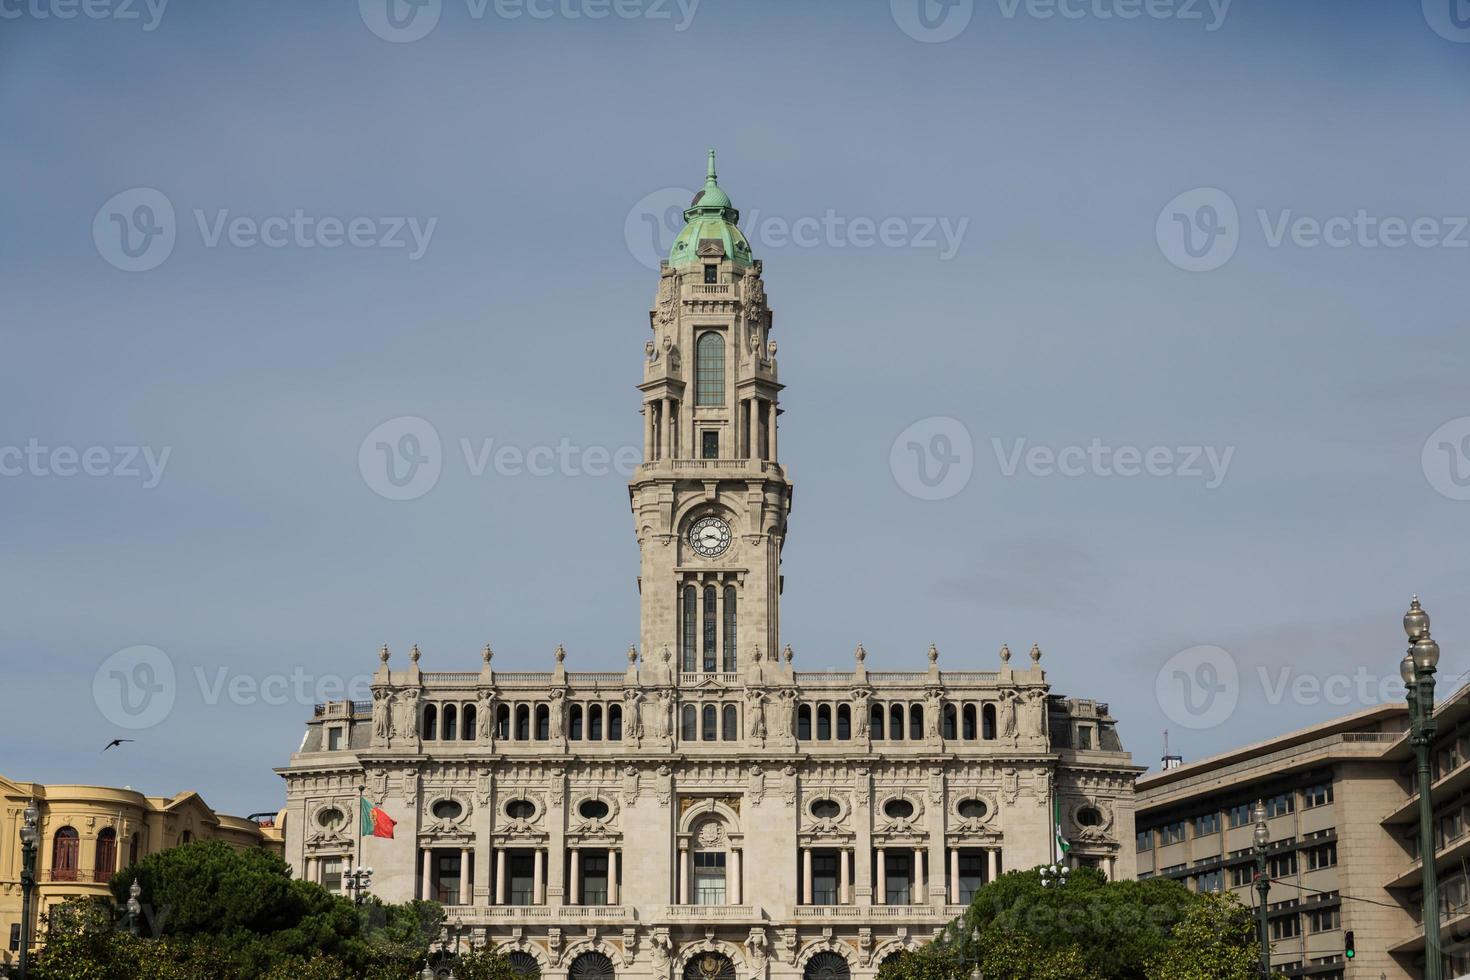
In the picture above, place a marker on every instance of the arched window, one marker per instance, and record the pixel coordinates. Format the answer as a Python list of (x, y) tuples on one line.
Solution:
[(827, 966), (614, 723), (689, 727), (709, 966), (594, 722), (711, 621), (916, 722), (709, 372), (524, 964), (469, 722), (729, 645), (730, 723), (824, 722), (969, 723), (106, 860), (133, 846), (543, 723), (709, 719), (591, 966), (950, 722), (844, 723), (65, 854), (689, 611), (895, 721), (987, 721), (451, 723), (804, 722), (876, 722), (575, 726), (431, 722)]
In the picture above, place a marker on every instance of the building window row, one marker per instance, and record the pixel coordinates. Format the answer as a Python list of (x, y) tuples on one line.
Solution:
[(585, 722), (66, 855), (709, 722), (707, 627)]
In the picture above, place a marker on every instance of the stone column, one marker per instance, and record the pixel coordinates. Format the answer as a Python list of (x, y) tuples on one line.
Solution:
[(954, 876), (752, 442), (650, 434), (683, 875), (990, 864), (427, 884), (880, 895), (502, 856), (844, 880), (918, 885), (733, 891), (538, 881), (466, 891), (806, 877), (771, 435), (575, 894), (612, 876), (666, 423), (308, 869)]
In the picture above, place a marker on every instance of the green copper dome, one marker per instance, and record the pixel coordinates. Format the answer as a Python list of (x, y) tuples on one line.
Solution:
[(710, 218)]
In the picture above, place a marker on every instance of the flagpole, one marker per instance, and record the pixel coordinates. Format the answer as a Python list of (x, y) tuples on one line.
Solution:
[(361, 789)]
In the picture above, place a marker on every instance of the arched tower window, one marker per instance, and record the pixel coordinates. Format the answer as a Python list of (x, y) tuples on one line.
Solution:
[(804, 722), (689, 727), (594, 722), (950, 722), (708, 722), (876, 722), (614, 723), (729, 647), (844, 723), (730, 723), (468, 728), (431, 722), (968, 728), (66, 850), (709, 372), (543, 723), (451, 723), (689, 611), (916, 722), (987, 720), (575, 727), (824, 722), (895, 722), (523, 723), (711, 620), (106, 861), (827, 966)]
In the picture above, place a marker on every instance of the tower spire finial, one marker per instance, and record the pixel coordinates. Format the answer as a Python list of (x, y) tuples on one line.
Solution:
[(710, 176)]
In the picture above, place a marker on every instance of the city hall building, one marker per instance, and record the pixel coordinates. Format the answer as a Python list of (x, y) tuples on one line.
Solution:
[(707, 811)]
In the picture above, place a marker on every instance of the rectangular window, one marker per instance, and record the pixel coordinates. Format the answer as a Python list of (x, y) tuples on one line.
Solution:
[(689, 611), (972, 874), (1315, 796), (900, 867), (1207, 824), (1171, 833), (1210, 881), (824, 878), (446, 868), (709, 878), (332, 874), (1280, 805), (522, 879), (709, 369), (594, 879), (1282, 865), (15, 937), (1084, 736), (709, 444), (711, 621), (1324, 920), (1240, 815), (1322, 857), (334, 739), (1286, 927), (711, 273), (1145, 840), (1242, 874)]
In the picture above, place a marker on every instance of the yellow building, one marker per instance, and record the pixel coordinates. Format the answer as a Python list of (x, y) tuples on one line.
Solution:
[(85, 833)]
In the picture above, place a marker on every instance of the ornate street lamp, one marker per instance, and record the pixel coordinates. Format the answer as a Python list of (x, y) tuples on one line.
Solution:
[(135, 907), (1261, 838), (1417, 669), (358, 880), (1054, 875), (28, 838)]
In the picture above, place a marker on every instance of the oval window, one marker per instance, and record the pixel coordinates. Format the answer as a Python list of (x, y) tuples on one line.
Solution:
[(447, 810), (826, 809), (520, 809), (593, 809), (328, 816), (899, 809), (1089, 816), (973, 809)]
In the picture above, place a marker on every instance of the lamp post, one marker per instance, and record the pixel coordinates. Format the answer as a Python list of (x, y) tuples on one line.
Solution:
[(358, 880), (1417, 670), (1054, 875), (28, 838), (974, 958), (135, 907), (1260, 839)]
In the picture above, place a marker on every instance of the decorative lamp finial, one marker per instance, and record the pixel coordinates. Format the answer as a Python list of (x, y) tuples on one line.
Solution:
[(414, 653), (1005, 653), (710, 176), (1416, 620), (933, 654), (383, 653), (1035, 653)]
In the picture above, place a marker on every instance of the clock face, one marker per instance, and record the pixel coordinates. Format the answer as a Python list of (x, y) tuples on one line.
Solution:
[(710, 536)]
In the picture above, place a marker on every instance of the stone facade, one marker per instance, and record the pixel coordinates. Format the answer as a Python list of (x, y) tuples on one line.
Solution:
[(708, 811)]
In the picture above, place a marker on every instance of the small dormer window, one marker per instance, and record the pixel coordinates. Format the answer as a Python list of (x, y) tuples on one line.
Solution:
[(334, 739), (711, 273)]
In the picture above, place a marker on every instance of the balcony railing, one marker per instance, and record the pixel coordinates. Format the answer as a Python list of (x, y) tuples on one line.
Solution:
[(497, 913), (709, 913)]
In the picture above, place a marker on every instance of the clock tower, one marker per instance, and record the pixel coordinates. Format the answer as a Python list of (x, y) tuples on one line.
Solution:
[(711, 497)]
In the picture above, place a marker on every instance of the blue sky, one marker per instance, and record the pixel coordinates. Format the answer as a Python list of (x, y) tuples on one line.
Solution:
[(1059, 152)]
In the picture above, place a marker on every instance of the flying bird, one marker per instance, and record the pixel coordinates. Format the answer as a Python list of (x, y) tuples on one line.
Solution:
[(116, 741)]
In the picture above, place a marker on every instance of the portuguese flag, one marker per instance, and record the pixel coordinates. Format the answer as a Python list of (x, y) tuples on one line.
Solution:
[(375, 823)]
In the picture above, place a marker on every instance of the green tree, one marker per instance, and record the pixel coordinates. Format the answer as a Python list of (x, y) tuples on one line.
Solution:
[(484, 964), (1216, 941)]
